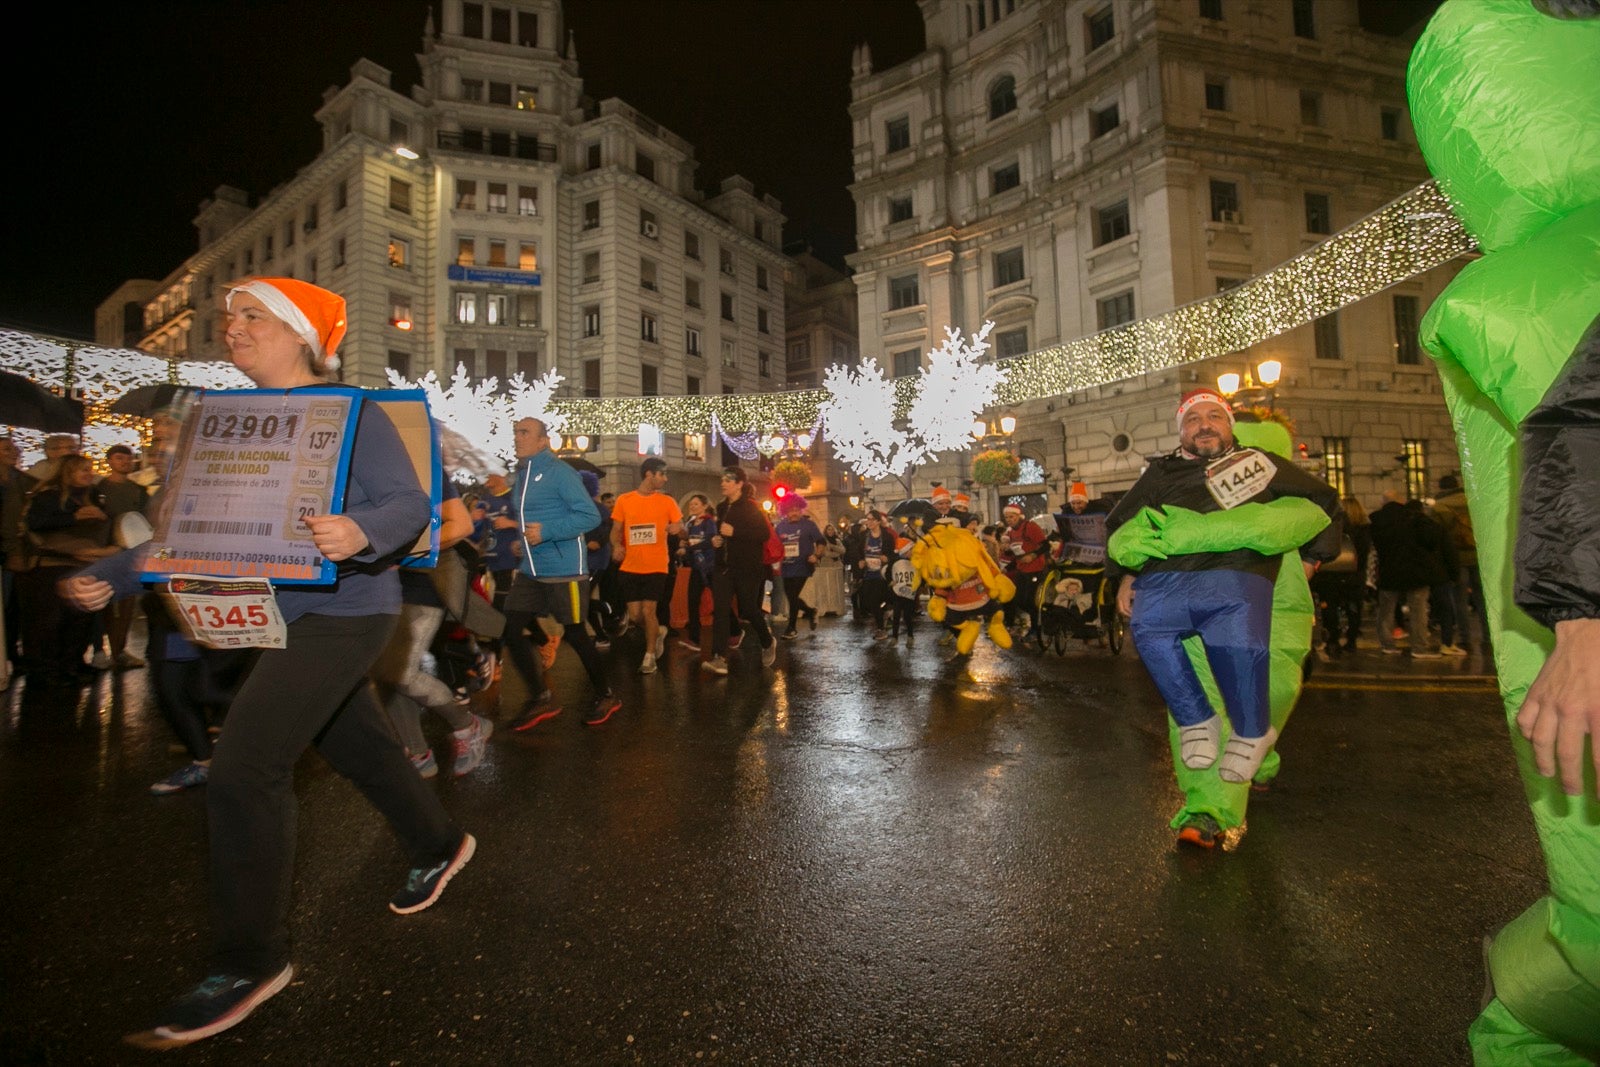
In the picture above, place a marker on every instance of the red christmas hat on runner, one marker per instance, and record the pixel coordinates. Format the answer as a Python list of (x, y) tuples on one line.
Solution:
[(316, 315), (1202, 395)]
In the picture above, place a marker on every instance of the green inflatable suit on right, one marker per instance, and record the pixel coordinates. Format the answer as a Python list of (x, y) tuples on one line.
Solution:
[(1505, 100)]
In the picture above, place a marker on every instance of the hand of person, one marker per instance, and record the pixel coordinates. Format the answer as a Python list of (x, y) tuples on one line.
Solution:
[(85, 594), (1125, 596), (726, 529), (534, 532), (1310, 566), (336, 536), (89, 513), (716, 541), (1563, 705)]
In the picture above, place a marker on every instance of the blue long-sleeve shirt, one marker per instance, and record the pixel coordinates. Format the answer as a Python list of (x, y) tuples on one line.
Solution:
[(550, 493)]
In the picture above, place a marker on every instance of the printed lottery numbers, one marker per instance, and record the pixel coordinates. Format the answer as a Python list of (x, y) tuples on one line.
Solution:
[(319, 443), (248, 427)]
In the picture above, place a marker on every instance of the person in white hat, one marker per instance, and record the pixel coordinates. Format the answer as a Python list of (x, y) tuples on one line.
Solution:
[(1201, 558)]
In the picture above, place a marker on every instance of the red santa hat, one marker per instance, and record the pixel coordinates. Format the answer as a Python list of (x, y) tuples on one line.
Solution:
[(1010, 508), (316, 315), (1079, 491), (1202, 395)]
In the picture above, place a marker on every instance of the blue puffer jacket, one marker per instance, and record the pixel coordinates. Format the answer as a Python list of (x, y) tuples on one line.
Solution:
[(550, 493)]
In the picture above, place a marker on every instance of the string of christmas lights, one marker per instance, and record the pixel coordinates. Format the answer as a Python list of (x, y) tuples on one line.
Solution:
[(1409, 236)]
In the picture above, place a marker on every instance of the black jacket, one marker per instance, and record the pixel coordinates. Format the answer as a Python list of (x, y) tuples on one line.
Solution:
[(1558, 529), (1409, 547), (1175, 479), (743, 550)]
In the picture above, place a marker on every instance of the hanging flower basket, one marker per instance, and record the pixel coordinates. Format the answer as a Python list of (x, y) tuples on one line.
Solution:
[(995, 467), (794, 473)]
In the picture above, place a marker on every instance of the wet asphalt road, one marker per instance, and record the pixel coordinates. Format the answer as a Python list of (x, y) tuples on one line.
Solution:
[(865, 856)]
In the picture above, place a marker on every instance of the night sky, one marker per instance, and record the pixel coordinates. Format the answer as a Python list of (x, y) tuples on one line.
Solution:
[(139, 111)]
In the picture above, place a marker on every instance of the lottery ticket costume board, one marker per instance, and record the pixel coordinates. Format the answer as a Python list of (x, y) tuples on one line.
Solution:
[(251, 465)]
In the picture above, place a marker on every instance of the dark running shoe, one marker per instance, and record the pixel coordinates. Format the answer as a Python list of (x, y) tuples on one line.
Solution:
[(540, 709), (424, 884), (1200, 830), (221, 1001), (604, 708)]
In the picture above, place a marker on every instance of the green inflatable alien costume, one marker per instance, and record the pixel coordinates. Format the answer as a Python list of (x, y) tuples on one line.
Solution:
[(1505, 99), (1276, 528)]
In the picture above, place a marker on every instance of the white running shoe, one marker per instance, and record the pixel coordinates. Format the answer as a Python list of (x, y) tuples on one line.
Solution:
[(1198, 743), (1243, 755), (648, 664)]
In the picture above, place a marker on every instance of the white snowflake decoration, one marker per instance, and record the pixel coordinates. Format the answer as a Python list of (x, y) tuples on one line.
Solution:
[(1029, 472), (952, 390), (858, 416), (475, 423)]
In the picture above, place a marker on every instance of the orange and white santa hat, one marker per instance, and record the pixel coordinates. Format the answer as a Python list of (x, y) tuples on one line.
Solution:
[(1202, 395), (939, 493), (961, 500), (1079, 491), (316, 315)]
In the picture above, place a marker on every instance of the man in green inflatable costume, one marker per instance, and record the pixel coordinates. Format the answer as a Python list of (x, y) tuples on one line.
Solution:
[(1505, 99)]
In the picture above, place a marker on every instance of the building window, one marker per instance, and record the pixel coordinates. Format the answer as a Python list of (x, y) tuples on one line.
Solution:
[(466, 308), (527, 29), (1003, 178), (338, 252), (647, 274), (1389, 123), (1416, 464), (466, 251), (527, 200), (1310, 108), (725, 260), (727, 306), (288, 234), (399, 253), (527, 256), (591, 156), (903, 292), (1115, 310), (898, 133), (466, 195), (899, 208), (1407, 349), (1002, 97), (691, 341), (399, 132), (800, 355), (591, 377), (1225, 202), (1111, 223), (341, 195), (761, 278), (466, 357), (400, 311), (497, 253), (1011, 343), (1099, 28), (527, 364), (691, 244), (691, 292), (311, 217), (500, 25), (1319, 217), (311, 269), (649, 380), (647, 326), (1305, 24), (266, 250), (764, 363), (1325, 332), (591, 267), (527, 98), (761, 320), (1224, 284), (400, 196), (591, 214), (1216, 94), (729, 356), (1211, 9), (497, 309), (1103, 121), (691, 386), (497, 197), (472, 90), (1008, 267), (1336, 463), (591, 320), (400, 362), (694, 444), (647, 225), (907, 362), (644, 166), (529, 310)]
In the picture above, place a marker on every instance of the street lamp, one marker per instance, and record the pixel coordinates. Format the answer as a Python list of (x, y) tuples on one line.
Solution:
[(994, 433), (1263, 385), (572, 445)]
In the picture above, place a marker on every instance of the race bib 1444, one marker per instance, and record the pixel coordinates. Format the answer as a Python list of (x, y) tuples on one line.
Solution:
[(1239, 477)]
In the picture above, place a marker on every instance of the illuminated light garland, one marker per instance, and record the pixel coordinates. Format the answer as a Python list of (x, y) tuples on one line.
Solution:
[(742, 445), (1413, 234)]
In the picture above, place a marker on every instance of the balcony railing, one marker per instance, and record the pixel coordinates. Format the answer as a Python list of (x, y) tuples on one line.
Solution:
[(497, 144)]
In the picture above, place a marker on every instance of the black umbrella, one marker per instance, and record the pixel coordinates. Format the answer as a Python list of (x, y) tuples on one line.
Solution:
[(24, 402), (917, 510), (145, 400), (578, 463)]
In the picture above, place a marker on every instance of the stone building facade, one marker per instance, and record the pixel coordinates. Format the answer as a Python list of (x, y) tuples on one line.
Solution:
[(1058, 167)]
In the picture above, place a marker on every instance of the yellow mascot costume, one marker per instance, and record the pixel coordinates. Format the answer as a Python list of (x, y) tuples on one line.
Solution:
[(967, 585)]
